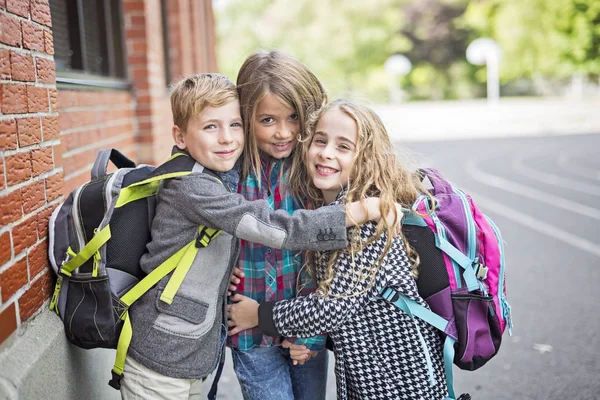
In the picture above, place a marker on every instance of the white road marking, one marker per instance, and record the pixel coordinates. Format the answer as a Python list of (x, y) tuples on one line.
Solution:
[(526, 191), (536, 224), (555, 180), (542, 348), (564, 160)]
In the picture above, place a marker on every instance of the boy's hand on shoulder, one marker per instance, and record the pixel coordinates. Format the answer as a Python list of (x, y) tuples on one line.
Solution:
[(242, 314)]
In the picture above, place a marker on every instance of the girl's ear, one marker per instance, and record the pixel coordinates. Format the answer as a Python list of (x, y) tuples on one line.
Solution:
[(178, 137)]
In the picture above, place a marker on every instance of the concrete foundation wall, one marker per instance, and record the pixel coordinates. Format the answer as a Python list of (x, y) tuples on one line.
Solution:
[(38, 362)]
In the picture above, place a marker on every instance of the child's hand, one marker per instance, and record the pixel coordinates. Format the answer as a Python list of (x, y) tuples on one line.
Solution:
[(298, 352), (392, 219), (236, 277), (241, 315)]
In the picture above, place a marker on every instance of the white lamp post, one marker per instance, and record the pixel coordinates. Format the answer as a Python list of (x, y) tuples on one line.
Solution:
[(396, 65), (485, 51)]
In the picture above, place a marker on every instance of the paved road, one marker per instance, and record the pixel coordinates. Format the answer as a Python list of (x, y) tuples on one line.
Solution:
[(544, 194)]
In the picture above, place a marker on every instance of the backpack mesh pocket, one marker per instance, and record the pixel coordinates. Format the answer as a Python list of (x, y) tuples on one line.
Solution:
[(478, 335), (89, 315)]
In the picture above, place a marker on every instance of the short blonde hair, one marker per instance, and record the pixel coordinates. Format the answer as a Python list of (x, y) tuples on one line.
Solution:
[(191, 95)]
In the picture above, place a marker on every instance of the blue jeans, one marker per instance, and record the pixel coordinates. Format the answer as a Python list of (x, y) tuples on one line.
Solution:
[(267, 373)]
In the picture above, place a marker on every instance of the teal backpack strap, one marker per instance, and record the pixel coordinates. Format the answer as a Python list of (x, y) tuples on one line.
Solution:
[(456, 255), (410, 218), (448, 361), (458, 258), (414, 309), (411, 307)]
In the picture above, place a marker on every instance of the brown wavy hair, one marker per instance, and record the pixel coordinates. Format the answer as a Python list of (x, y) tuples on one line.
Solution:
[(286, 78)]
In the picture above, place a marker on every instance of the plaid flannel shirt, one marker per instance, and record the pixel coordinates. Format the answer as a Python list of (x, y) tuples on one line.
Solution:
[(269, 274)]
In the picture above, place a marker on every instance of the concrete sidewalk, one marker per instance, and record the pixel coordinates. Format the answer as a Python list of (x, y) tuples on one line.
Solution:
[(473, 119)]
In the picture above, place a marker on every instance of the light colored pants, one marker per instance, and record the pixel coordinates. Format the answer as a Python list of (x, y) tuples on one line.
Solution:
[(141, 383)]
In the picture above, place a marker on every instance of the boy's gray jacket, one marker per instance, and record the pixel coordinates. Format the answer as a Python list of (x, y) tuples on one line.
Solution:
[(184, 339)]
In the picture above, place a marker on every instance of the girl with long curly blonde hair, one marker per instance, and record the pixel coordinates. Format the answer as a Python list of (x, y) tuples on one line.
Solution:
[(377, 172), (347, 156)]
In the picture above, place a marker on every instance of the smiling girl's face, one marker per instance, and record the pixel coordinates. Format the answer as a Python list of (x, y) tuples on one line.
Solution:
[(331, 153), (276, 127)]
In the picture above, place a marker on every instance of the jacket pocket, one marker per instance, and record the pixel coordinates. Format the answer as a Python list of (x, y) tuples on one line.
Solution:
[(188, 309), (185, 316)]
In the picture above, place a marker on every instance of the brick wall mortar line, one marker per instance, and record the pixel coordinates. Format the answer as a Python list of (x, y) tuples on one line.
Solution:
[(27, 52), (28, 20), (95, 145), (26, 83), (83, 128), (101, 107), (4, 176), (35, 146), (8, 190), (5, 117)]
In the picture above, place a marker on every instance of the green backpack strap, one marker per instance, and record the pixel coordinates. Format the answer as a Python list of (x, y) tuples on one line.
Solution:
[(180, 263), (92, 248), (179, 164)]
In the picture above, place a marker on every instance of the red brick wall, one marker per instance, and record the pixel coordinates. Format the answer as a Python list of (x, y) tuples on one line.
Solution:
[(31, 177), (90, 121), (49, 138)]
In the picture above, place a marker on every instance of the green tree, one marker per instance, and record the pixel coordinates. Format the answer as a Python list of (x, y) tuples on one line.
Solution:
[(438, 42), (553, 38), (345, 43)]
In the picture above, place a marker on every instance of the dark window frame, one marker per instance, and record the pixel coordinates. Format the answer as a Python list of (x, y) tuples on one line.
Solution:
[(165, 36), (92, 57)]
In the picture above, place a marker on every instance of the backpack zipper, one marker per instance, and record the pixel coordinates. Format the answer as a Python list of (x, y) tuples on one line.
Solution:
[(505, 307), (471, 245)]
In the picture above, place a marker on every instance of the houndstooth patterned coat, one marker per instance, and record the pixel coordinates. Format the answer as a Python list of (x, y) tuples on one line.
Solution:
[(377, 348)]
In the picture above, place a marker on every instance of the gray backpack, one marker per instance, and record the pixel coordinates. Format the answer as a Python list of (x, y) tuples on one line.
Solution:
[(96, 239)]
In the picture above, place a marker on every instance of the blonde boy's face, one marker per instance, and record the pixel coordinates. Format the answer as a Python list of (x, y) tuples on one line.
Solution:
[(214, 138), (276, 127)]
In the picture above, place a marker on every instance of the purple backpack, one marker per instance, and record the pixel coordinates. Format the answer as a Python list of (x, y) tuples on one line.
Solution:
[(461, 276)]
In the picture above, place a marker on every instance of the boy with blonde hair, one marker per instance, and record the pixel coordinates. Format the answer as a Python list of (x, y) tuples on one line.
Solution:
[(178, 341)]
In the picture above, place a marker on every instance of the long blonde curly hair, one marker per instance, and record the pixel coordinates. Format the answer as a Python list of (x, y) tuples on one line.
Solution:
[(377, 172)]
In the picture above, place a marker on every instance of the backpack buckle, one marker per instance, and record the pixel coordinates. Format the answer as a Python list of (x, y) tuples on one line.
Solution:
[(390, 295), (481, 272), (115, 382), (202, 240)]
